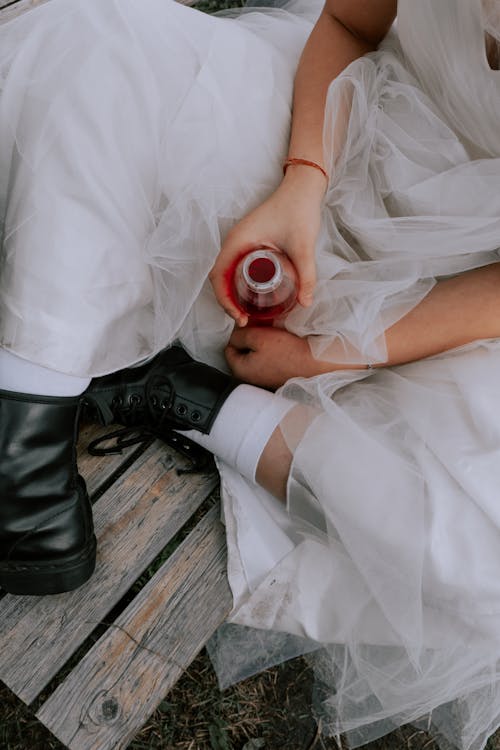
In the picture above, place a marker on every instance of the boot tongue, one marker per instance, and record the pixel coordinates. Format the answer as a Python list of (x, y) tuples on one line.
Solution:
[(97, 402)]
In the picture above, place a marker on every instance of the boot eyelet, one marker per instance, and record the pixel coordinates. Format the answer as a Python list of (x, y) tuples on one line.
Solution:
[(181, 410), (117, 401), (195, 416), (154, 401), (135, 399), (164, 404)]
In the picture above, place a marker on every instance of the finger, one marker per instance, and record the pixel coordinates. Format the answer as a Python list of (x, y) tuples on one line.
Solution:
[(225, 300), (221, 285), (230, 353), (243, 338), (306, 272), (236, 359)]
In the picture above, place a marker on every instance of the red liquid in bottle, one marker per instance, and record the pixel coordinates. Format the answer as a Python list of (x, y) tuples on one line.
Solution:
[(265, 286)]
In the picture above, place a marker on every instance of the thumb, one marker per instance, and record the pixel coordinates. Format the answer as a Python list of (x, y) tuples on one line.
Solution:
[(306, 272)]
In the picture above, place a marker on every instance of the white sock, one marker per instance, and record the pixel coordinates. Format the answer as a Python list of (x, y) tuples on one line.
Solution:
[(243, 426), (17, 374)]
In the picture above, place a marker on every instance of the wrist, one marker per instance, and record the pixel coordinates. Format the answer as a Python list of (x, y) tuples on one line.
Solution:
[(299, 161), (313, 366), (311, 182)]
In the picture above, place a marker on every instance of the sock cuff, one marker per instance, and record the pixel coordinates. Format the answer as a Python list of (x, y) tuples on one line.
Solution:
[(256, 438), (22, 376), (243, 426)]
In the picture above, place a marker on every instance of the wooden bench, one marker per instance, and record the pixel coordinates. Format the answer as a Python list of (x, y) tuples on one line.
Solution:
[(106, 655)]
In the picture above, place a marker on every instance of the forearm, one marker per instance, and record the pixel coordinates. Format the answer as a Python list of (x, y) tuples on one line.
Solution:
[(329, 49), (456, 311), (344, 32), (290, 218)]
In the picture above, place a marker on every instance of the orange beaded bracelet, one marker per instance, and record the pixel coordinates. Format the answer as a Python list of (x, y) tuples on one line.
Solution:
[(305, 163)]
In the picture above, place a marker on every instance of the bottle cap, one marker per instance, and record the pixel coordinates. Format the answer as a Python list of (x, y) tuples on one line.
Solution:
[(262, 271)]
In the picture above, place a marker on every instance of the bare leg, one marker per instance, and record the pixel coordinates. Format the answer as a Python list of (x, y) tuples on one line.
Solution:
[(275, 461), (274, 465)]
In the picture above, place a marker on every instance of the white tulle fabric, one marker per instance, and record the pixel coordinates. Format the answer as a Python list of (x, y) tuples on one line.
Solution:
[(133, 134), (388, 552)]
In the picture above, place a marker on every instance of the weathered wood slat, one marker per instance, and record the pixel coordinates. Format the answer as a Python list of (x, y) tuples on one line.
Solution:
[(98, 470), (5, 3), (134, 520), (15, 9), (120, 682)]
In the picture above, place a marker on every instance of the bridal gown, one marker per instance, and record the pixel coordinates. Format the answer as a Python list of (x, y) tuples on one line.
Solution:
[(133, 134)]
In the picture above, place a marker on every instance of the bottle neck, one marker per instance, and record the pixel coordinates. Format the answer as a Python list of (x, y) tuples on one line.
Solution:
[(262, 271)]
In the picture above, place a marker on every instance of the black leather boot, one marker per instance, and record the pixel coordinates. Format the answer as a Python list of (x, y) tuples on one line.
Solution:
[(170, 391), (47, 543)]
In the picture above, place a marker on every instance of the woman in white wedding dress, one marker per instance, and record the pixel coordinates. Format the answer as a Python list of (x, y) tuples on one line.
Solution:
[(131, 142)]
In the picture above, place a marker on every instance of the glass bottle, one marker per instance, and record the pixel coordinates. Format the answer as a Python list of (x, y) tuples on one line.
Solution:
[(265, 286)]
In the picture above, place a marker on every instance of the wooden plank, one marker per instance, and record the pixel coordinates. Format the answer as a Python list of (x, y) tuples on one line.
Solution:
[(9, 10), (5, 3), (97, 470), (135, 518), (120, 682), (15, 9)]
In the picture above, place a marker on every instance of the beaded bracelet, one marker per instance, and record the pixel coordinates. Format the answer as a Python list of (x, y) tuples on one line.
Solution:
[(305, 163)]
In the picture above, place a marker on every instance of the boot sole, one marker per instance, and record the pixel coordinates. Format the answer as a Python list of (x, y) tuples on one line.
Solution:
[(33, 578)]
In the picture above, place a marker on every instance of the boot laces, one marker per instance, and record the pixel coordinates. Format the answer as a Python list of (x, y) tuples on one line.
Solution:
[(126, 437), (128, 411)]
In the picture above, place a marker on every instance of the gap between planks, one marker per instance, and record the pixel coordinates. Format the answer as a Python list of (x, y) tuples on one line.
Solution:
[(111, 693), (134, 519)]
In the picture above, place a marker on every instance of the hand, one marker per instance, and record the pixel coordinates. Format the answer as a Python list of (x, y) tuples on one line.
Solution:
[(288, 221), (268, 357)]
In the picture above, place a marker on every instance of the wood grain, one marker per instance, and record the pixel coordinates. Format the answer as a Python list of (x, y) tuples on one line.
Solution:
[(134, 519), (98, 470), (116, 687), (10, 11)]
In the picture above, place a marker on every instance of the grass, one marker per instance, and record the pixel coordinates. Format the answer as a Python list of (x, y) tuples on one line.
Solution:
[(211, 6), (267, 712)]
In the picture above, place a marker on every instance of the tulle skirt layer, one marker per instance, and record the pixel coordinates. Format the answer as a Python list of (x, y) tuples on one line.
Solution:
[(383, 566), (411, 198), (150, 128), (132, 136), (384, 563)]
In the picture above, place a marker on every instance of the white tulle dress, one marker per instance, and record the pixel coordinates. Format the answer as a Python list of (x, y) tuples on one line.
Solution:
[(133, 134)]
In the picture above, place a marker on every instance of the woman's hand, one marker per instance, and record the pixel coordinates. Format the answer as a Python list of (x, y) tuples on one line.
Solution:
[(288, 221), (268, 357)]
